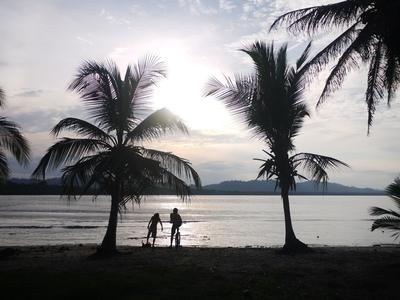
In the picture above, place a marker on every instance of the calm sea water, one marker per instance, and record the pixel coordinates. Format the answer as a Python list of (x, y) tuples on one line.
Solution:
[(237, 221)]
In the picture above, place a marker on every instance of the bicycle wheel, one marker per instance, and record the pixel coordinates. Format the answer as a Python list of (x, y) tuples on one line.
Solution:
[(177, 239)]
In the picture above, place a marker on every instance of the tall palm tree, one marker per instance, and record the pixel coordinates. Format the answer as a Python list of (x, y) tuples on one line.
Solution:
[(370, 36), (270, 102), (11, 140), (390, 219), (110, 156)]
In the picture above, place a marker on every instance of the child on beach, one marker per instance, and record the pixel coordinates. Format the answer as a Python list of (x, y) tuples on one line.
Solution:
[(152, 227)]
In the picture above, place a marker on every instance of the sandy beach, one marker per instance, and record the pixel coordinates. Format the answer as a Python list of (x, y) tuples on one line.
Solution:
[(67, 272)]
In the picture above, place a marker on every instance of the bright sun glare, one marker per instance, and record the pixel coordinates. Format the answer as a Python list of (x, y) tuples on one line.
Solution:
[(182, 92)]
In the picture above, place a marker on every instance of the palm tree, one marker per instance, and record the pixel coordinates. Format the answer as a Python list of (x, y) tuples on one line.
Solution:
[(270, 102), (391, 218), (11, 140), (370, 36), (109, 156)]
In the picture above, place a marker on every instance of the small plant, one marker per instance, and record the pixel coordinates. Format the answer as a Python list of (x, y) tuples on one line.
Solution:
[(390, 219)]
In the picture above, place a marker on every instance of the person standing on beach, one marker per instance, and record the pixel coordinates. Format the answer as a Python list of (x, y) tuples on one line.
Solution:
[(176, 221), (152, 227)]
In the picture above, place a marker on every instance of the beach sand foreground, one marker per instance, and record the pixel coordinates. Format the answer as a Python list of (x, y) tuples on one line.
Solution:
[(65, 272)]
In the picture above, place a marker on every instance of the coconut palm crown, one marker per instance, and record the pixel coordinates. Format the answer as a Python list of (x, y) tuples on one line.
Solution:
[(370, 36), (109, 156), (270, 103), (12, 141), (390, 219)]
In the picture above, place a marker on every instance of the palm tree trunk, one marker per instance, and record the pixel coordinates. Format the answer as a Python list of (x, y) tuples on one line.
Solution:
[(109, 244), (292, 244)]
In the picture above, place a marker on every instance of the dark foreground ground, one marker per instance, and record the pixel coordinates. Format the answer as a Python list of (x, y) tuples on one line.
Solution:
[(65, 272)]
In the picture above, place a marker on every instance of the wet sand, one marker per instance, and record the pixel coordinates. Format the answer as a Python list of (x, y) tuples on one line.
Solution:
[(66, 272)]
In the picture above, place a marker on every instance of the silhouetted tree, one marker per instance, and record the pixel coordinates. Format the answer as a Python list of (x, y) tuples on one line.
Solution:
[(370, 36), (11, 140), (390, 219), (270, 102), (110, 155)]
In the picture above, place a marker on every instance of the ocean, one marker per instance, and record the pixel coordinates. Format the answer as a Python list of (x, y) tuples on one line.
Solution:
[(209, 221)]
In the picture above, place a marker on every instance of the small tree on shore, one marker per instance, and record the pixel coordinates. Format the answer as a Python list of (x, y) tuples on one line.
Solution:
[(270, 102), (390, 219), (110, 156), (12, 141)]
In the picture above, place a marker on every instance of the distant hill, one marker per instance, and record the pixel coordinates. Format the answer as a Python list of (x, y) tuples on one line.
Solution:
[(302, 188), (18, 186)]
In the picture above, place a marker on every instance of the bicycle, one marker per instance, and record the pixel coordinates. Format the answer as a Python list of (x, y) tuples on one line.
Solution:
[(177, 238)]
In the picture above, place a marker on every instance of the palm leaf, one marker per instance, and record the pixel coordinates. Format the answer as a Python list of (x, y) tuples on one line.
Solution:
[(4, 170), (65, 151), (360, 48), (174, 164), (317, 165), (81, 127), (12, 140), (97, 85), (2, 97), (376, 81), (332, 50), (236, 93), (313, 18), (156, 125), (141, 79)]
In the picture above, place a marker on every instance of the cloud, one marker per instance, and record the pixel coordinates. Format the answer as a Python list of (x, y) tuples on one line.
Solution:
[(106, 15), (84, 41), (138, 10), (30, 93), (226, 5), (197, 7)]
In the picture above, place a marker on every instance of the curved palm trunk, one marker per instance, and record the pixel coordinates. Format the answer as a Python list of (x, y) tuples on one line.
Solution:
[(109, 244), (292, 244)]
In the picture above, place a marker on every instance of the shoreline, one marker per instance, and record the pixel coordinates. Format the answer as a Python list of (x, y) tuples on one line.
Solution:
[(65, 272)]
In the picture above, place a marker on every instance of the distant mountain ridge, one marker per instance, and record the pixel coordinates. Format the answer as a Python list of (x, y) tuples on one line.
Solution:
[(302, 188), (230, 187)]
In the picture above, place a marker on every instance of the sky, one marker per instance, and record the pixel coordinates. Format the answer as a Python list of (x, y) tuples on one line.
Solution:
[(45, 42)]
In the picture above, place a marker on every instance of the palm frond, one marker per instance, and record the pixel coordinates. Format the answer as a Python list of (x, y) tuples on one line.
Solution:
[(360, 49), (2, 97), (84, 174), (317, 165), (141, 78), (376, 81), (236, 93), (391, 218), (97, 85), (66, 151), (267, 169), (331, 51), (12, 140), (174, 164), (388, 222), (303, 57), (377, 211), (311, 19), (175, 183), (393, 190), (81, 127), (156, 125), (4, 170), (392, 73)]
